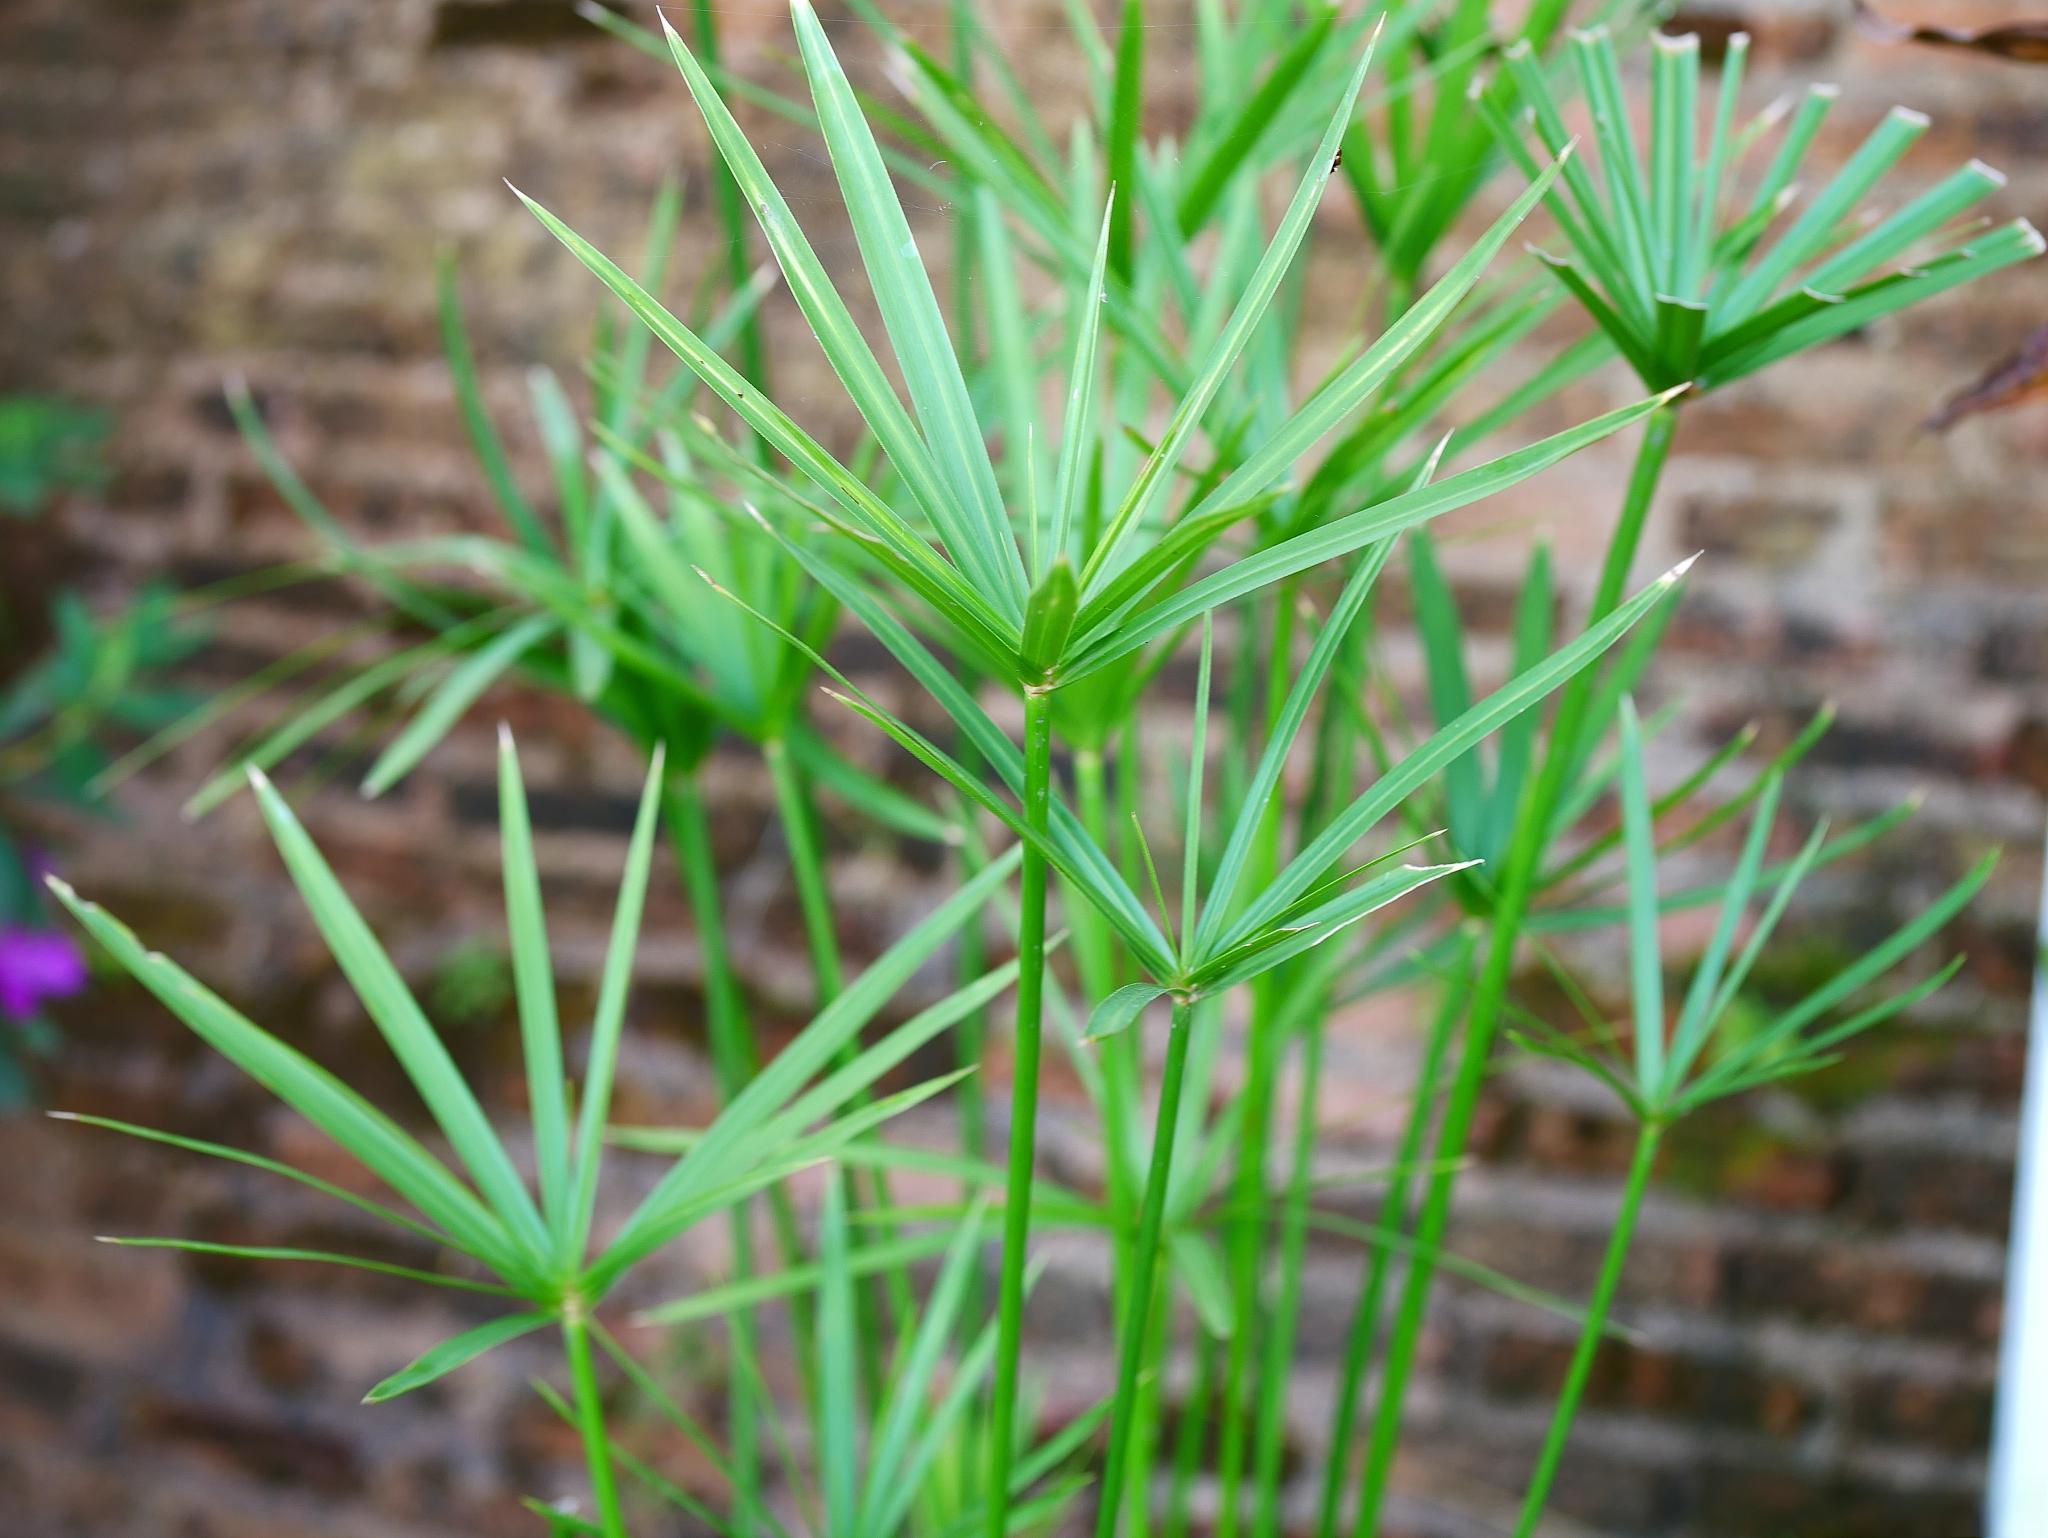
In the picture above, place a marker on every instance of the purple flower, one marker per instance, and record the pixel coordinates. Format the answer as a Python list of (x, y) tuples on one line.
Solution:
[(36, 964)]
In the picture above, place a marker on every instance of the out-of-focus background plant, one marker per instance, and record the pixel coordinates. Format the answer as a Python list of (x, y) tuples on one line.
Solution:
[(74, 678)]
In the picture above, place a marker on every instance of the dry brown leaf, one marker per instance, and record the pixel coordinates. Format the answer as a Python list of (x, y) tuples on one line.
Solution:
[(2023, 41), (2019, 379)]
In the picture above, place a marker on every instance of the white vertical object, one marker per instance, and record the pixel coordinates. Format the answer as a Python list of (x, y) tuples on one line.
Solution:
[(2018, 1496)]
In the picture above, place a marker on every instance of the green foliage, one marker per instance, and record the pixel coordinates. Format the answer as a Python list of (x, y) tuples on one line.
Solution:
[(47, 447), (98, 679), (1127, 436), (484, 1213), (471, 985), (1691, 284)]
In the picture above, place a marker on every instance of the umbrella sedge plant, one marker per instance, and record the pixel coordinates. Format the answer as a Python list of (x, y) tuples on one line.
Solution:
[(1672, 1063), (1046, 595), (566, 604), (1697, 281), (1197, 486), (538, 1246)]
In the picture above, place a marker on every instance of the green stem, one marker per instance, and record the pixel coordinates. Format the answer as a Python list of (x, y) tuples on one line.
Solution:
[(1591, 1332), (1520, 870), (1095, 959), (1393, 1218), (814, 900), (1660, 429), (1248, 1199), (1146, 1409), (597, 1451), (1274, 1371), (1094, 940), (732, 1061), (1023, 1109), (970, 1047), (1135, 1330), (1189, 1438), (807, 868), (970, 1041), (1267, 1045)]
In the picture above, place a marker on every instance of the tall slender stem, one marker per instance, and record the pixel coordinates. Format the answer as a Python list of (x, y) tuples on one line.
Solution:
[(1095, 960), (970, 1048), (1393, 1217), (1247, 1254), (807, 868), (597, 1450), (1520, 872), (732, 1060), (1269, 1435), (814, 900), (1023, 1109), (1190, 1437), (1146, 1408), (1267, 1044), (1590, 1332), (1134, 1331)]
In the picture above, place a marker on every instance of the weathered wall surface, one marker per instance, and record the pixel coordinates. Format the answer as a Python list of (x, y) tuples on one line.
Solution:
[(197, 187)]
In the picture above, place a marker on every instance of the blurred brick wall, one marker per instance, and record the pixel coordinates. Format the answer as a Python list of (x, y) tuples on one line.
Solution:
[(192, 187)]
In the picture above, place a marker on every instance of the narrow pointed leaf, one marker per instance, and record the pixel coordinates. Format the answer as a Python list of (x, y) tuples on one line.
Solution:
[(1117, 1013), (1394, 787), (398, 1018), (373, 1138), (533, 981), (1343, 535), (609, 1021), (910, 314), (1646, 959), (456, 1352), (451, 698), (311, 1257)]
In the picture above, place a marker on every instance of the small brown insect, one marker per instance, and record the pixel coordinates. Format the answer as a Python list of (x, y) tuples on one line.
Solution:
[(1337, 159)]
